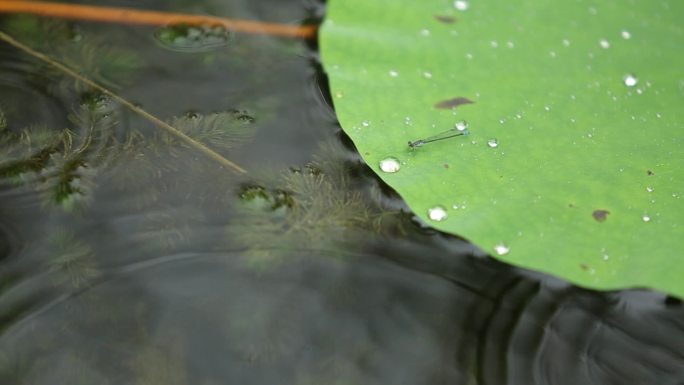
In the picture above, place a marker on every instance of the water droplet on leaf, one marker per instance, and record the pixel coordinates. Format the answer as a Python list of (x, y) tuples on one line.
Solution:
[(630, 80), (461, 5), (502, 249), (437, 213), (461, 126), (493, 143), (390, 165)]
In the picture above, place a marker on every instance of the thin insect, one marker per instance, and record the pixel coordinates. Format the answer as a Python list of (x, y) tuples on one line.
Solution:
[(441, 136)]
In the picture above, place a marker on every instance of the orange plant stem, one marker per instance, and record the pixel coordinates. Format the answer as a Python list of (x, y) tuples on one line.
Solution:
[(142, 17)]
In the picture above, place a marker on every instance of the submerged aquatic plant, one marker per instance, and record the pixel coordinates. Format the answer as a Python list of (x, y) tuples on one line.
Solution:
[(73, 265), (61, 164), (313, 208), (91, 55)]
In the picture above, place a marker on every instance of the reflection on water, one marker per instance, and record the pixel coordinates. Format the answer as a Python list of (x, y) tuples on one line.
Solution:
[(129, 258)]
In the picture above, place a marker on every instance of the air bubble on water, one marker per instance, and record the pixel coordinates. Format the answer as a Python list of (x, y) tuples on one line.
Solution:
[(626, 34), (437, 213), (566, 42), (646, 218), (639, 91), (461, 5), (365, 123), (493, 44), (427, 75), (339, 94), (510, 44), (461, 125), (469, 56), (501, 249), (425, 32), (552, 54), (493, 143), (606, 257), (502, 121), (649, 189), (393, 73), (605, 44), (630, 80), (547, 108), (390, 165)]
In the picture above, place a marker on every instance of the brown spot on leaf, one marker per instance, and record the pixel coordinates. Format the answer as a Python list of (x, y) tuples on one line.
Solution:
[(452, 103), (445, 19), (600, 215)]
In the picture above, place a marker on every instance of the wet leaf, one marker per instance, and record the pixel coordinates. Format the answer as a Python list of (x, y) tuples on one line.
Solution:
[(577, 108)]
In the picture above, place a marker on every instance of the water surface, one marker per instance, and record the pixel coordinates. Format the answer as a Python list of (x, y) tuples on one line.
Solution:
[(127, 257)]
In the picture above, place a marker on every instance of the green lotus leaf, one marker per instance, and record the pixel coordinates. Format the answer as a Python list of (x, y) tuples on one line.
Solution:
[(574, 164)]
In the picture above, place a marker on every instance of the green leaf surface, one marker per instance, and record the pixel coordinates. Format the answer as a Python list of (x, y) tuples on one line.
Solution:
[(587, 176)]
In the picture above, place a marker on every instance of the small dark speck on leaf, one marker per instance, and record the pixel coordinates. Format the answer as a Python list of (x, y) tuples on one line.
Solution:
[(584, 267), (649, 172), (671, 301), (446, 165), (452, 103), (368, 153), (445, 19), (571, 205), (600, 215)]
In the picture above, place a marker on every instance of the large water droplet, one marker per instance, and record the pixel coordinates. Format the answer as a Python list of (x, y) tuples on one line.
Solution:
[(501, 249), (493, 143), (390, 165), (461, 126), (437, 213), (630, 80), (461, 5)]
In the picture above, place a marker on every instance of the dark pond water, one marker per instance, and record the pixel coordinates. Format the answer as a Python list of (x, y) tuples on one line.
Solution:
[(128, 257)]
